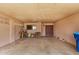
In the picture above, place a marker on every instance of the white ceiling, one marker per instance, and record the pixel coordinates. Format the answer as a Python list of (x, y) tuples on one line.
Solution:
[(39, 12)]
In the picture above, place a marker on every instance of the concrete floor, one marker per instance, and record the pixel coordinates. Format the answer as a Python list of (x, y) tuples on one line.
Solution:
[(39, 46)]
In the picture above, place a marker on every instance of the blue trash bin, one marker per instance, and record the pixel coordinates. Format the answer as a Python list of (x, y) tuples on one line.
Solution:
[(76, 36)]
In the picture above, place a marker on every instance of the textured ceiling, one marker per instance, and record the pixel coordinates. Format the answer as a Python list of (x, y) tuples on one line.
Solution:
[(39, 12)]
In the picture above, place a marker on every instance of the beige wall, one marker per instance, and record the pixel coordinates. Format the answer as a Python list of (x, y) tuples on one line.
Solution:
[(40, 27), (4, 33), (8, 30), (37, 24), (14, 30), (65, 28)]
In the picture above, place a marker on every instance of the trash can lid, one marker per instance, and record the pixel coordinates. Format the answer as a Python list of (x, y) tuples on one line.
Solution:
[(76, 33)]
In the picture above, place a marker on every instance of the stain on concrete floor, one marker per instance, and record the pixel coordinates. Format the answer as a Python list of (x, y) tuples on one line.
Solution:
[(38, 46)]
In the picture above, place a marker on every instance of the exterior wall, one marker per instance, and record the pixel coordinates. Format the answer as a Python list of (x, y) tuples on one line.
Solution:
[(65, 28)]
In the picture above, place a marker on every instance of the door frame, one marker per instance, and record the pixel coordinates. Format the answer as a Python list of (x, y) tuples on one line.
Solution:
[(49, 34)]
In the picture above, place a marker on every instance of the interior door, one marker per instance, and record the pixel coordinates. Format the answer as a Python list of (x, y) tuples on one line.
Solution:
[(49, 30)]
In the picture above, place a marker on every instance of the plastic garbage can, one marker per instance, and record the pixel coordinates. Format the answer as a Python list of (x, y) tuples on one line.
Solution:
[(76, 36)]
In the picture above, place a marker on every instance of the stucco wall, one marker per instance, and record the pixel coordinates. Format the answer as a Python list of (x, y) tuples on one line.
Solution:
[(65, 28)]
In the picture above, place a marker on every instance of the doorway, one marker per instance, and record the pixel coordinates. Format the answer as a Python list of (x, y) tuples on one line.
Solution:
[(49, 30)]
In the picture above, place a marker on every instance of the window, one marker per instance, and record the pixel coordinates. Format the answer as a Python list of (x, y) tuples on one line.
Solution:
[(29, 27), (34, 27)]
